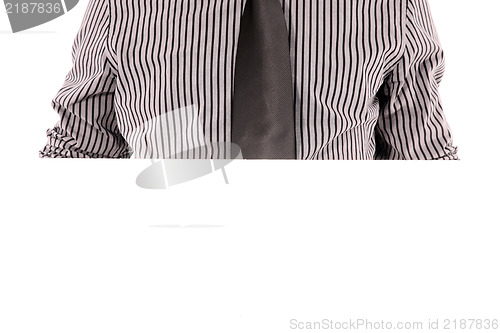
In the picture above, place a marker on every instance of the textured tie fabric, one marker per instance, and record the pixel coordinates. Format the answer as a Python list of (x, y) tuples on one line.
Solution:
[(263, 119)]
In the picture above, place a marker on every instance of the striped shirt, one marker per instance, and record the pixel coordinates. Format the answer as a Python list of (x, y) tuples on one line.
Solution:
[(154, 78)]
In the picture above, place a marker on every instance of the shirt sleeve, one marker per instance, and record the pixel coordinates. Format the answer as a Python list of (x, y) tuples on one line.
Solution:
[(87, 127), (411, 124)]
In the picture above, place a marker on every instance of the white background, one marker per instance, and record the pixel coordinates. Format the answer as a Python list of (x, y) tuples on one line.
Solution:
[(83, 249)]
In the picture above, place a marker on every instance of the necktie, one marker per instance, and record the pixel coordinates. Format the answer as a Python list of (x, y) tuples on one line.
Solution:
[(262, 116)]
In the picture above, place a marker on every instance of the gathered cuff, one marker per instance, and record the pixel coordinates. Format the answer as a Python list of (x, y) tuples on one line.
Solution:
[(62, 146), (451, 154)]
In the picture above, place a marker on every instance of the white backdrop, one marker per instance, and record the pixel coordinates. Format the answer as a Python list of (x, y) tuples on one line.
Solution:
[(83, 249)]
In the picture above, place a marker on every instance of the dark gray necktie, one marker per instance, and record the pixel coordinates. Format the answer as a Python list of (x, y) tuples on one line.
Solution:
[(263, 119)]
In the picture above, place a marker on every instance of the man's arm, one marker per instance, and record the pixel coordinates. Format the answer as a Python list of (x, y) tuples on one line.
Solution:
[(87, 127), (412, 124)]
